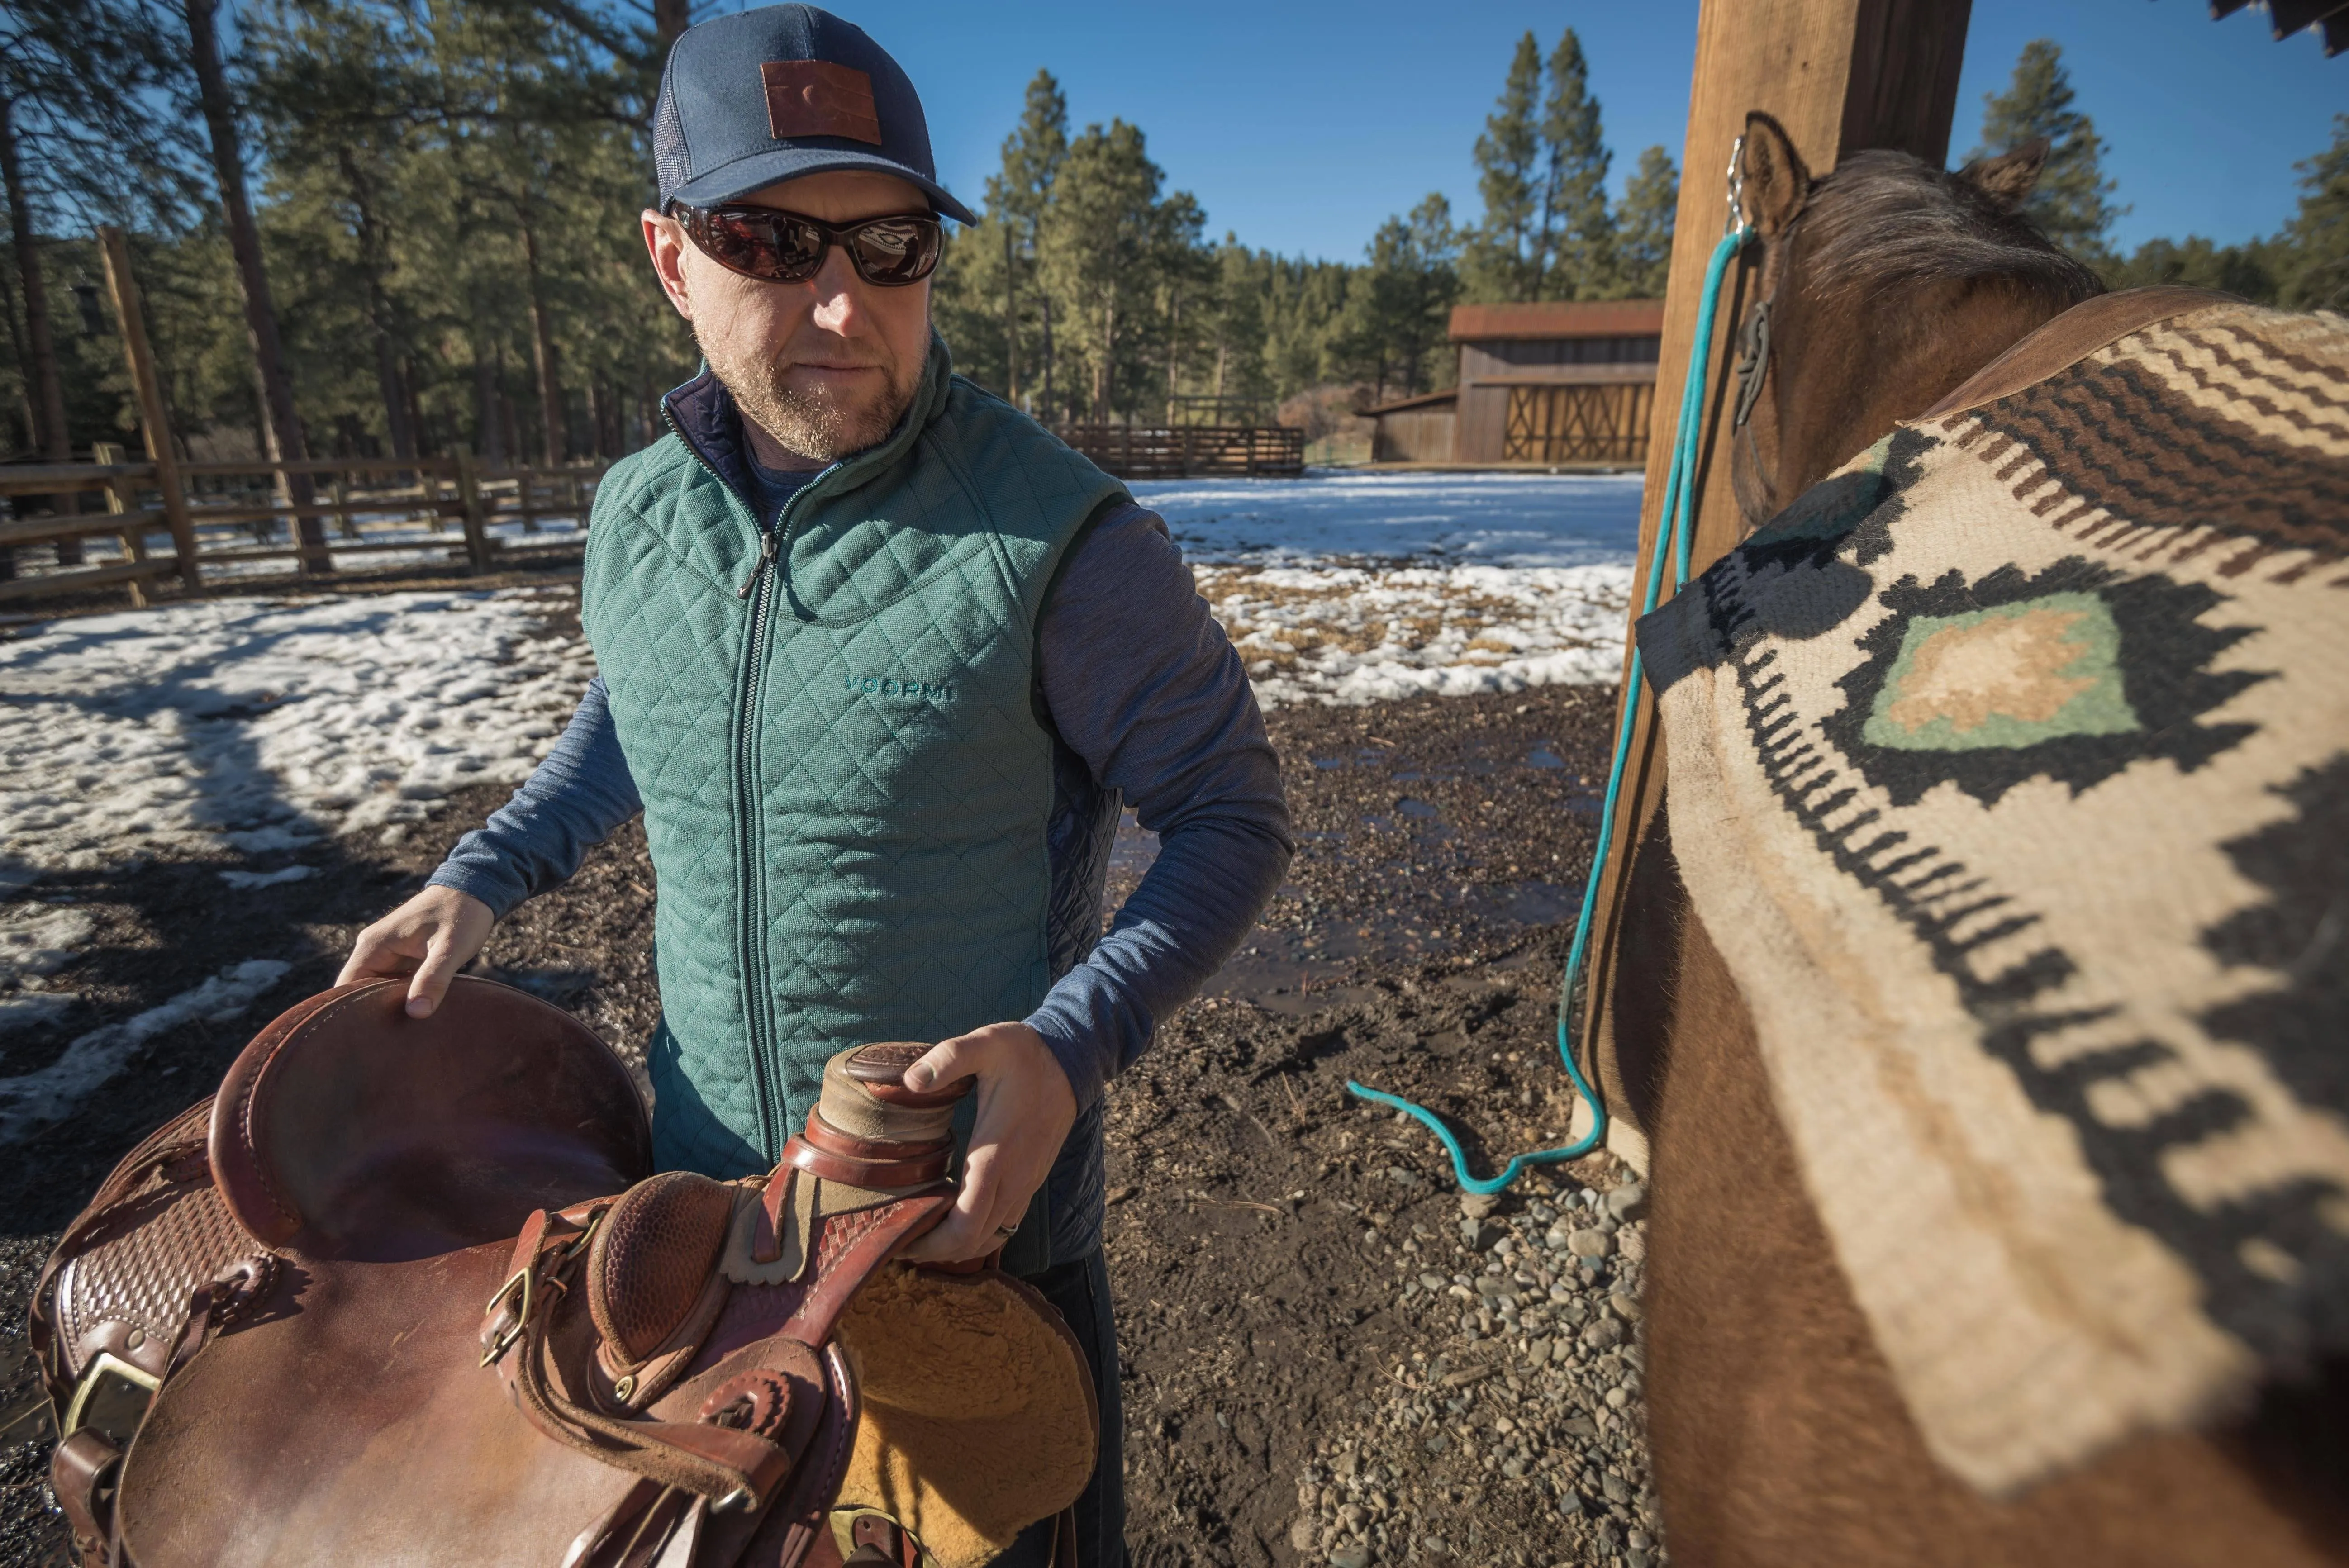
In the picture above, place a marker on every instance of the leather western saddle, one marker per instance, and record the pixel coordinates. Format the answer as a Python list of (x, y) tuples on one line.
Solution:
[(268, 1341)]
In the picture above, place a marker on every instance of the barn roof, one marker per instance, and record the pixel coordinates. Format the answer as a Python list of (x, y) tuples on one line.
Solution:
[(1558, 318), (1404, 405)]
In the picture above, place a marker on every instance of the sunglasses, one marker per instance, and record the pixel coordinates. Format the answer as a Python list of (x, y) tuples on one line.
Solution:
[(778, 247)]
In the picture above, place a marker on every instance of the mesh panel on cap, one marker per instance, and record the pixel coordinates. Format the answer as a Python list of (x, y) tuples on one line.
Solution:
[(671, 164)]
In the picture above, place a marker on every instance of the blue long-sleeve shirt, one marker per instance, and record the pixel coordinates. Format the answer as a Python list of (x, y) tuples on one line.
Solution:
[(1143, 689)]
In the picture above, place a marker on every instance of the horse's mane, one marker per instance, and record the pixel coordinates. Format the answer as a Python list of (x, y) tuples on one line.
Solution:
[(1883, 221)]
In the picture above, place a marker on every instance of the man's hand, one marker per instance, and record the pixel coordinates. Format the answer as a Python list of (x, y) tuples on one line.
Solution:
[(428, 938), (1025, 1110)]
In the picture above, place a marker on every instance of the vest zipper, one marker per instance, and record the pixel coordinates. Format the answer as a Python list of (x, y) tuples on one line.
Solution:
[(748, 835), (758, 1000)]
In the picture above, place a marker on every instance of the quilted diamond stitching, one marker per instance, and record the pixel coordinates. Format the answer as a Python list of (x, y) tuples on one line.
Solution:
[(906, 881)]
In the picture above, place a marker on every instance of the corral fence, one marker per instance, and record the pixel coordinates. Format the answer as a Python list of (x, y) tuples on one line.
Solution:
[(1185, 451), (209, 521)]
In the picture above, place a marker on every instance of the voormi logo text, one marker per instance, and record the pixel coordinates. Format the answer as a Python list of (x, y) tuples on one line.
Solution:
[(893, 686)]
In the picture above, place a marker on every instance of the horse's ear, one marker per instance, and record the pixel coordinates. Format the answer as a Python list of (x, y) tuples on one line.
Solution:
[(2008, 178), (1777, 182)]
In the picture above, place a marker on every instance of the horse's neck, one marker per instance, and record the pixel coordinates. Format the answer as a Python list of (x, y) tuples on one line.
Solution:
[(1854, 375)]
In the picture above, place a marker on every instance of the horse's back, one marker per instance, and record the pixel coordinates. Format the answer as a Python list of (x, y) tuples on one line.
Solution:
[(2002, 1189), (1779, 1435)]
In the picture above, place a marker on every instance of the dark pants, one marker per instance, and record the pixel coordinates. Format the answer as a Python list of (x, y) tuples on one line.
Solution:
[(1079, 1291)]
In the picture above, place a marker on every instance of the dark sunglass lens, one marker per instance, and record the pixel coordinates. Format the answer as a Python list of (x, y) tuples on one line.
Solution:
[(896, 250), (772, 245)]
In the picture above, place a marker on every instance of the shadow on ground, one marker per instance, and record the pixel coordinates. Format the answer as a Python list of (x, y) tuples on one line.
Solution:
[(1415, 945)]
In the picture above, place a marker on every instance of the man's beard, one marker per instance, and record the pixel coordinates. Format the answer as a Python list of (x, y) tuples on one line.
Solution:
[(819, 425)]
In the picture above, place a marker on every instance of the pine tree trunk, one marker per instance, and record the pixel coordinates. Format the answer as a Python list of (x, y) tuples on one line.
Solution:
[(245, 244), (45, 387), (542, 347), (1102, 372), (49, 389), (1010, 321), (1174, 348), (1045, 300), (372, 254), (491, 432)]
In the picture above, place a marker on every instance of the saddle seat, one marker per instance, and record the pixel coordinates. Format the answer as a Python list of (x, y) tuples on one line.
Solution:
[(668, 1369)]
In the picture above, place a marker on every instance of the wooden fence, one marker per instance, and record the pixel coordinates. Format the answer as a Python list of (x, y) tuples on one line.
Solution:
[(191, 520), (1180, 452)]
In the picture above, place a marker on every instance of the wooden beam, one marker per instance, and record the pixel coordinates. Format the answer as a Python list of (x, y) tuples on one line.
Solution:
[(154, 418), (57, 583), (1841, 76)]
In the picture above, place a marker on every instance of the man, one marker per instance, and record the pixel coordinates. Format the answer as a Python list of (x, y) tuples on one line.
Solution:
[(878, 660)]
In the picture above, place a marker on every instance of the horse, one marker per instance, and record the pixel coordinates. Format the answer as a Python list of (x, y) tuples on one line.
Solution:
[(1779, 1432)]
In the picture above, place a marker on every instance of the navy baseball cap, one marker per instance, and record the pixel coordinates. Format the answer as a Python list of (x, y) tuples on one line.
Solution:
[(776, 93)]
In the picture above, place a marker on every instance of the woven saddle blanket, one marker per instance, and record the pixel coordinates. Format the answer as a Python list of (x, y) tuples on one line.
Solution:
[(2009, 772)]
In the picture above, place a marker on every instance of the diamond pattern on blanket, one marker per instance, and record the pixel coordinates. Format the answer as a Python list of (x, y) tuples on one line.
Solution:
[(2014, 807)]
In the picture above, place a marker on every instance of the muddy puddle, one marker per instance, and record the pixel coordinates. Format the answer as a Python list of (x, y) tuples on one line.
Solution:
[(1408, 849)]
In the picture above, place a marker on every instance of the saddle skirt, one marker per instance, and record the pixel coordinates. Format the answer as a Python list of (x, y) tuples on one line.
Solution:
[(406, 1291), (2009, 773)]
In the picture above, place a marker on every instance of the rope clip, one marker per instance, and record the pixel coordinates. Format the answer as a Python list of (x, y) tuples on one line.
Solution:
[(1737, 187)]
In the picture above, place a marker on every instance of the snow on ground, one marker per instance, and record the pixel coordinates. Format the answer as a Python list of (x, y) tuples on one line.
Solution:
[(1359, 588), (258, 725), (250, 727), (29, 1101)]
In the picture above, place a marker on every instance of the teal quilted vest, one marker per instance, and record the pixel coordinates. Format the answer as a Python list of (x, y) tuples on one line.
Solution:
[(846, 777)]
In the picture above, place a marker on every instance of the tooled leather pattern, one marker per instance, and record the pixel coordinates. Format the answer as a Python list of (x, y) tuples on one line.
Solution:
[(653, 1257), (165, 1238), (806, 1308), (146, 1275)]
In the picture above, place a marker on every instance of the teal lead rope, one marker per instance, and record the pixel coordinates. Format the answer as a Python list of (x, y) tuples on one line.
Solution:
[(1680, 490)]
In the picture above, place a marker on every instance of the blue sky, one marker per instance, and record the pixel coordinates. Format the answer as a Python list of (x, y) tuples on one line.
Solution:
[(1302, 124)]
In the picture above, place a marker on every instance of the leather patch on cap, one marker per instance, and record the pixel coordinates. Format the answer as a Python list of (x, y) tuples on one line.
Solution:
[(817, 97)]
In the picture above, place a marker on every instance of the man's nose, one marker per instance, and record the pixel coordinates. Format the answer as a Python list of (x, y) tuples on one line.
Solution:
[(840, 305)]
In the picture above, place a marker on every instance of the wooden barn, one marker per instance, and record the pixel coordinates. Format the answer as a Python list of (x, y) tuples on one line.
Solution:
[(1548, 383)]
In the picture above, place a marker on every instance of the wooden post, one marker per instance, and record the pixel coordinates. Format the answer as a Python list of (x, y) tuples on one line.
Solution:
[(338, 490), (121, 501), (477, 524), (122, 287), (1841, 76)]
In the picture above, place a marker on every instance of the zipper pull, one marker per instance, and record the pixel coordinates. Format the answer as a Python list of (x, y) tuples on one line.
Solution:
[(766, 559)]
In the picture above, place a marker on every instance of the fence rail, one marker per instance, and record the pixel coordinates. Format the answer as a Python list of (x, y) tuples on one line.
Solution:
[(1183, 451), (185, 520)]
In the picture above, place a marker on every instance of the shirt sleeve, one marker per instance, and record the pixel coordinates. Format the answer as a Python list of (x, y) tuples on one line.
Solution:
[(1141, 683), (575, 800)]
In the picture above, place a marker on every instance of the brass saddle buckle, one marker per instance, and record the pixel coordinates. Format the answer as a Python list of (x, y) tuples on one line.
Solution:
[(105, 1364), (548, 1267)]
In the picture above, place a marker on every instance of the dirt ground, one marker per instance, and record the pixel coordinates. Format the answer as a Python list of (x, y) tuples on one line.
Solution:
[(1327, 1359)]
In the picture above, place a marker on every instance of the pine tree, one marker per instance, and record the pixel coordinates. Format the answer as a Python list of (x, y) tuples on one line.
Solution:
[(2248, 270), (1016, 200), (2318, 234), (78, 119), (1506, 256), (1576, 233), (2069, 202), (1643, 227), (1398, 307), (1100, 237)]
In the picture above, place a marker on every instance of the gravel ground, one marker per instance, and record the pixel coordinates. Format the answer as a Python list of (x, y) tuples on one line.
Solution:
[(1327, 1359)]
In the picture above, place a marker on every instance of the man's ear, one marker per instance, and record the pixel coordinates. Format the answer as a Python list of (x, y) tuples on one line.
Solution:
[(665, 241), (1777, 182), (2008, 178)]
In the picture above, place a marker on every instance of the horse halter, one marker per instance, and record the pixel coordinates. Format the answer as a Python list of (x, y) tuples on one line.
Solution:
[(1753, 371)]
